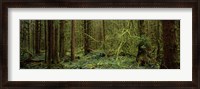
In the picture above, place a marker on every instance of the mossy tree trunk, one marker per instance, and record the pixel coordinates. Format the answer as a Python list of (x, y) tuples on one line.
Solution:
[(169, 45), (141, 33)]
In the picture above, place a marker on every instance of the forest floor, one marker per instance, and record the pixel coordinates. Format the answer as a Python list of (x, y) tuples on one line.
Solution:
[(90, 61)]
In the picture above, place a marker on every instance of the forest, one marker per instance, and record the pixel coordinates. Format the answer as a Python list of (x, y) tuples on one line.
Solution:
[(99, 44)]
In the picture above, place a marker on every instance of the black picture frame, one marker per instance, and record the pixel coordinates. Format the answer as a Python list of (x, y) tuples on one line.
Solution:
[(194, 4)]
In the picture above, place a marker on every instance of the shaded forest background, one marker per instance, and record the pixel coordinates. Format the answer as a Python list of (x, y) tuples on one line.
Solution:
[(99, 44)]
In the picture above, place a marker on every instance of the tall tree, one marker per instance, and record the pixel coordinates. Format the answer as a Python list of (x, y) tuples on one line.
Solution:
[(40, 33), (141, 33), (104, 34), (87, 32), (28, 29), (23, 36), (169, 45), (37, 49), (143, 55), (100, 35), (53, 43), (46, 40), (85, 37), (62, 36), (158, 40), (56, 44), (50, 30), (73, 41), (141, 27), (33, 37)]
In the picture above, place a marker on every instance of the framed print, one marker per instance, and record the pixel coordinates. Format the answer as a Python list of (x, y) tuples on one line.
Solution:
[(99, 44)]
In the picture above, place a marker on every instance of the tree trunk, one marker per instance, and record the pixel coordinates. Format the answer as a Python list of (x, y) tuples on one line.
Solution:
[(53, 42), (104, 34), (50, 30), (141, 33), (46, 40), (86, 38), (141, 27), (33, 37), (28, 35), (37, 50), (56, 44), (169, 45), (62, 36), (73, 41), (158, 41), (23, 34), (40, 33)]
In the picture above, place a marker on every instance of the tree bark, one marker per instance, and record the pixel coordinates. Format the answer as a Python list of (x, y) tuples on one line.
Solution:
[(86, 38), (141, 28), (40, 34), (62, 36), (169, 45), (28, 35), (53, 42), (56, 44), (33, 37), (50, 30), (46, 40), (158, 41), (37, 50)]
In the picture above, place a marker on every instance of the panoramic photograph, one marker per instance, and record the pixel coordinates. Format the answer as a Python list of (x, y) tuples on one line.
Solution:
[(99, 44)]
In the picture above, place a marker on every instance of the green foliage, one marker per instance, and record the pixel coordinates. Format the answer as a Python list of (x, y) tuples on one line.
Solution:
[(25, 54), (94, 61), (39, 57)]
